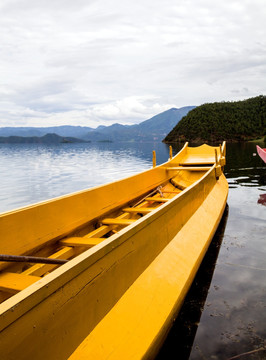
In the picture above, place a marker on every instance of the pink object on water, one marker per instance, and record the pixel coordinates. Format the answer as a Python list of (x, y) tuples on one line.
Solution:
[(262, 153)]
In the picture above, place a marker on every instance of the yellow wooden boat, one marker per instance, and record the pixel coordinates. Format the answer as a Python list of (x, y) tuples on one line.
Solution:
[(133, 248)]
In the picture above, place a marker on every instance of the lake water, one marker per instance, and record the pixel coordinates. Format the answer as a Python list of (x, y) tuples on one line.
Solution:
[(30, 173), (224, 314)]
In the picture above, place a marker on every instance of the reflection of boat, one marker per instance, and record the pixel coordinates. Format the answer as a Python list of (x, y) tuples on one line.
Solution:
[(262, 199), (261, 152), (134, 247), (179, 342)]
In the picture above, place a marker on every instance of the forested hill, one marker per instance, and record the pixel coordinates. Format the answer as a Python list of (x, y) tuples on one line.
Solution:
[(231, 121)]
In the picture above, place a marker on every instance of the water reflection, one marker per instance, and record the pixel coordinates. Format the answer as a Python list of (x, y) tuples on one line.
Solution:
[(234, 317), (262, 199), (180, 339), (230, 319)]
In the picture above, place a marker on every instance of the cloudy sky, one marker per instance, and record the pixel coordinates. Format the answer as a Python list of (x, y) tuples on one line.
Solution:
[(91, 62)]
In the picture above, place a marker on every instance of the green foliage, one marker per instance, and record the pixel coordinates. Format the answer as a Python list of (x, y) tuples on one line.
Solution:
[(231, 121)]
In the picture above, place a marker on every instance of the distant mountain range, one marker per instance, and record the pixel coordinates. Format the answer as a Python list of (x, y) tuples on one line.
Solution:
[(154, 129), (46, 139), (65, 130)]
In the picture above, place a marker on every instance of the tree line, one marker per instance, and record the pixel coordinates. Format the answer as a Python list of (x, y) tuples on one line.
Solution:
[(230, 121)]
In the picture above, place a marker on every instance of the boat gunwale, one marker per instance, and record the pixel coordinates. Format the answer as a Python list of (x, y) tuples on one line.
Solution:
[(14, 307)]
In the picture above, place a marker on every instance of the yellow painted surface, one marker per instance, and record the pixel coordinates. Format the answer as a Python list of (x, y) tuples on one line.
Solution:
[(76, 306), (190, 168), (206, 155), (77, 241), (136, 326), (158, 199), (12, 282), (138, 210), (123, 222)]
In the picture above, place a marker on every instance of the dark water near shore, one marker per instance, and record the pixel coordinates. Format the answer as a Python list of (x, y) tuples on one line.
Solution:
[(224, 314)]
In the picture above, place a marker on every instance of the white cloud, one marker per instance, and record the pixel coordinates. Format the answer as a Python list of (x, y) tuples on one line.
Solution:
[(127, 111), (123, 61)]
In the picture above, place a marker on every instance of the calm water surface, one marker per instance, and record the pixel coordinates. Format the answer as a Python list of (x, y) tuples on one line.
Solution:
[(224, 314), (30, 173)]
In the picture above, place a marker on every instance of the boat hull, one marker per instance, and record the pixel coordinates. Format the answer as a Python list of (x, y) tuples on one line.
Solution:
[(262, 153), (137, 325), (118, 299)]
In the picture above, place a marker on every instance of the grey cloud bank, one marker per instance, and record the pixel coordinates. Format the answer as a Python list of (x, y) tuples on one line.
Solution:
[(99, 62)]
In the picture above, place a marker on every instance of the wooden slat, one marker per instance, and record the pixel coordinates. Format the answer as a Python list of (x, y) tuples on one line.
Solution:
[(124, 222), (40, 269), (157, 199), (13, 282), (79, 241), (171, 192), (97, 233), (140, 210), (104, 229), (190, 168), (177, 185)]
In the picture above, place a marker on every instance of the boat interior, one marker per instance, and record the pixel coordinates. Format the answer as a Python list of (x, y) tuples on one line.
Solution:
[(52, 251)]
